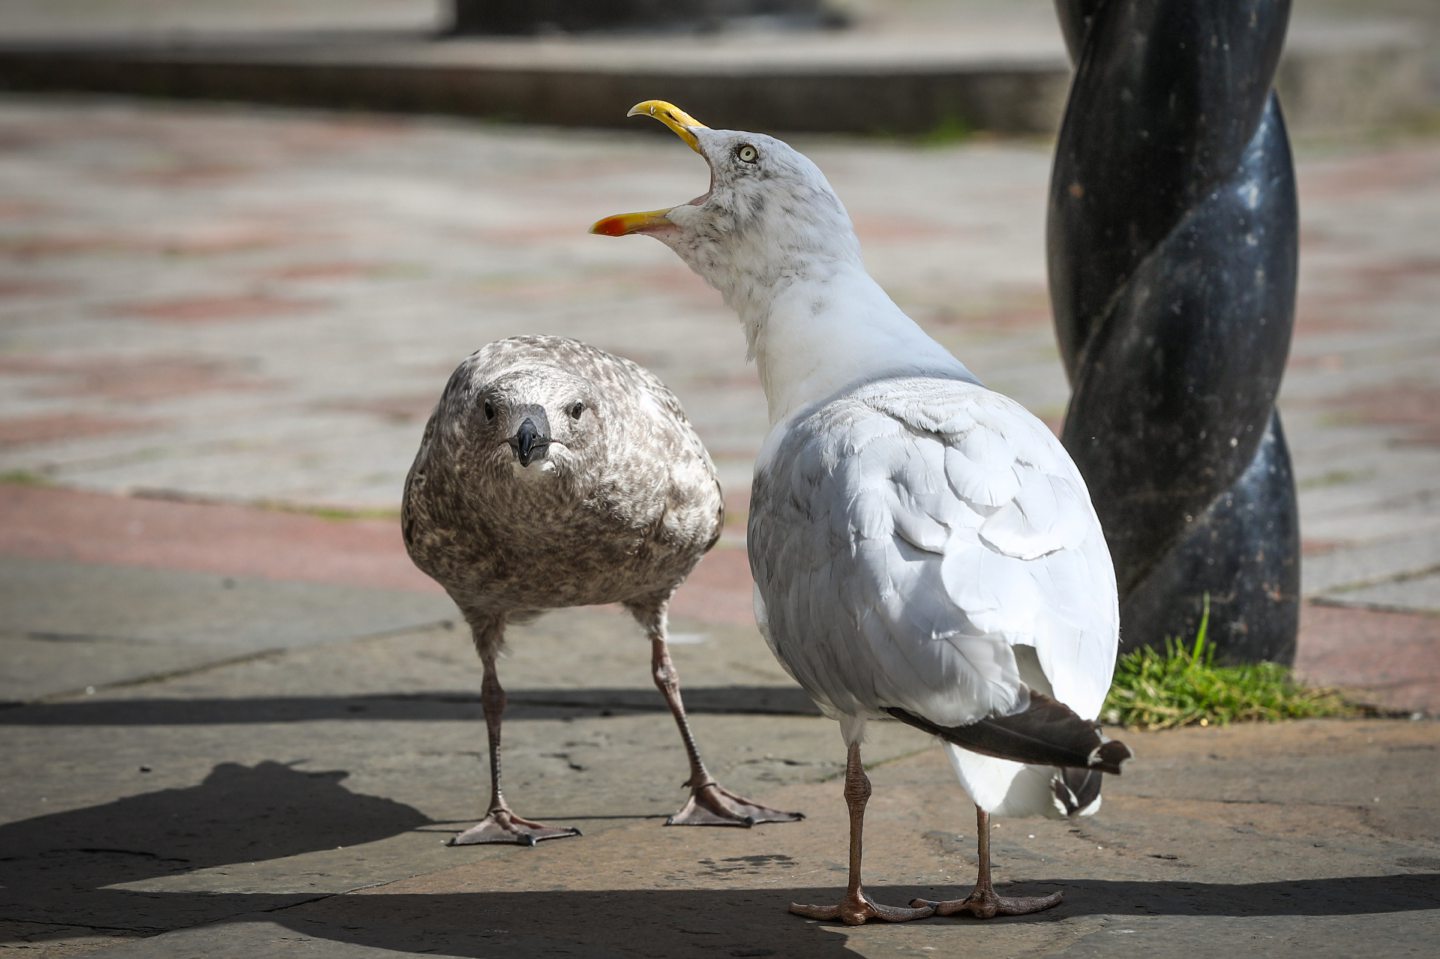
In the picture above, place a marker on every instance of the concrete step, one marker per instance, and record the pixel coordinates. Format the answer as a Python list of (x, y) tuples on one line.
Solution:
[(1337, 76)]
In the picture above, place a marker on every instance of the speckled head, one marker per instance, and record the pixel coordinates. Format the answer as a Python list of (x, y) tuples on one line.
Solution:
[(769, 209), (530, 421)]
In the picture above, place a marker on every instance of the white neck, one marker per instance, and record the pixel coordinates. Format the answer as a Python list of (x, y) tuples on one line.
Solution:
[(814, 333)]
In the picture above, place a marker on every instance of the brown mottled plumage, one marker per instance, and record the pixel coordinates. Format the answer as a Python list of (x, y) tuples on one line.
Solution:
[(555, 474)]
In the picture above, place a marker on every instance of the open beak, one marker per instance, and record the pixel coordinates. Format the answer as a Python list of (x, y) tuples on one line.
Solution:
[(683, 125)]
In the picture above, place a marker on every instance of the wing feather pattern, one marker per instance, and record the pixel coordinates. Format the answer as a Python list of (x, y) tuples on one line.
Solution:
[(908, 535)]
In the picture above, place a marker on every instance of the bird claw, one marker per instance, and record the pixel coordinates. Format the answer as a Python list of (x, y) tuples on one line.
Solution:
[(987, 905), (858, 908), (714, 805), (503, 826)]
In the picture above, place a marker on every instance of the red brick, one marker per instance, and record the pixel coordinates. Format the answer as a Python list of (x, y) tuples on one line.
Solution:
[(1414, 405), (12, 208), (20, 288), (398, 408), (328, 270), (1392, 659), (56, 427), (144, 378), (891, 228), (183, 174), (219, 309), (218, 240), (232, 540), (1009, 311), (719, 590), (1389, 172)]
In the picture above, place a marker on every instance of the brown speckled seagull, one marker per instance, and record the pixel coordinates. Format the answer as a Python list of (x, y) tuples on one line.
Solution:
[(555, 474)]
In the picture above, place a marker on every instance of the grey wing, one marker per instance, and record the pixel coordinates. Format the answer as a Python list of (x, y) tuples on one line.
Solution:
[(907, 539)]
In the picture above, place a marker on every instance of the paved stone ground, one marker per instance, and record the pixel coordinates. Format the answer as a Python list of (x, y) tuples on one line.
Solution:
[(235, 728), (259, 308)]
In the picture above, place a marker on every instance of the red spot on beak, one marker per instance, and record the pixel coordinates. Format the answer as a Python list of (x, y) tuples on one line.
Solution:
[(610, 226)]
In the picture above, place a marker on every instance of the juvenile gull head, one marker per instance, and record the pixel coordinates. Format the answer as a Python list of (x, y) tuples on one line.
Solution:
[(525, 418)]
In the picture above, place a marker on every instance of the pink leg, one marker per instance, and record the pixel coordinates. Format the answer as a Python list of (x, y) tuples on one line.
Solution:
[(857, 907), (982, 903), (710, 804), (500, 824)]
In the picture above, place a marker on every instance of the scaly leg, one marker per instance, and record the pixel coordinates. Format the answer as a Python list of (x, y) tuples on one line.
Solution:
[(500, 824), (857, 907), (982, 903), (710, 804)]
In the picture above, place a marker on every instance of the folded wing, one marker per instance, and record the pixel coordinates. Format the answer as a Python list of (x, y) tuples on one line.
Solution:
[(907, 537)]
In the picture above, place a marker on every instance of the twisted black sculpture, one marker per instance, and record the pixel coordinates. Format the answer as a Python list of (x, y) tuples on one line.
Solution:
[(1172, 257)]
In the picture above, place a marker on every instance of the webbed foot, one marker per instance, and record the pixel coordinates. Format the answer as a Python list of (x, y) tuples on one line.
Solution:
[(984, 904), (714, 805), (503, 826), (858, 908)]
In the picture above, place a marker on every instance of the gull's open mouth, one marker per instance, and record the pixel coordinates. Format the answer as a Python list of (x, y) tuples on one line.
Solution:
[(658, 221), (704, 198)]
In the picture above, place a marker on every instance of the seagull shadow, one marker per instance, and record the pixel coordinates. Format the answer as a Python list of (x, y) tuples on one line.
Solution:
[(60, 868), (418, 707), (1348, 896), (70, 869), (670, 922), (606, 924)]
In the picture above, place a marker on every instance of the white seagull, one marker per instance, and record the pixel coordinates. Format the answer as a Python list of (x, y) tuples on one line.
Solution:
[(923, 547)]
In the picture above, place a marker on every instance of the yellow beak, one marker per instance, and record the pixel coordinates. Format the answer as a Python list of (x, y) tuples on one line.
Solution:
[(682, 124)]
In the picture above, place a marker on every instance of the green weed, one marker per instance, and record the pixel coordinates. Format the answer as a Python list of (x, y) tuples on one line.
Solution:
[(1183, 686), (23, 477)]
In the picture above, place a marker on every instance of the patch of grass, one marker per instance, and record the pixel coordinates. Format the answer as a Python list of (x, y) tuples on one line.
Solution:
[(1334, 478), (1184, 687), (334, 513), (25, 478), (951, 129)]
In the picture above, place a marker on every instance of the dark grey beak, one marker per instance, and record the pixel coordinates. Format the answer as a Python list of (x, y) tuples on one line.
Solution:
[(529, 442)]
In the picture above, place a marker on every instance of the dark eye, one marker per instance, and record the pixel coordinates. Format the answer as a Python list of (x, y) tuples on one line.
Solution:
[(489, 411), (576, 409), (747, 154)]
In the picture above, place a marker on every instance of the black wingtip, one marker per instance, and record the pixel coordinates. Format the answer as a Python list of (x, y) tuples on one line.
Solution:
[(1047, 733), (1077, 791), (1109, 756)]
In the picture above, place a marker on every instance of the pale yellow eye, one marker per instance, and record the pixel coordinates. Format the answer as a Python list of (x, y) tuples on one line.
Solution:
[(748, 154)]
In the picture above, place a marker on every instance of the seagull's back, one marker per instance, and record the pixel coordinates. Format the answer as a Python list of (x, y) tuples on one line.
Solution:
[(921, 542)]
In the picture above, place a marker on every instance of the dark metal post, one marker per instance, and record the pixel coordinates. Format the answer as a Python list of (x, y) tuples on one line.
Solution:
[(1172, 256)]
